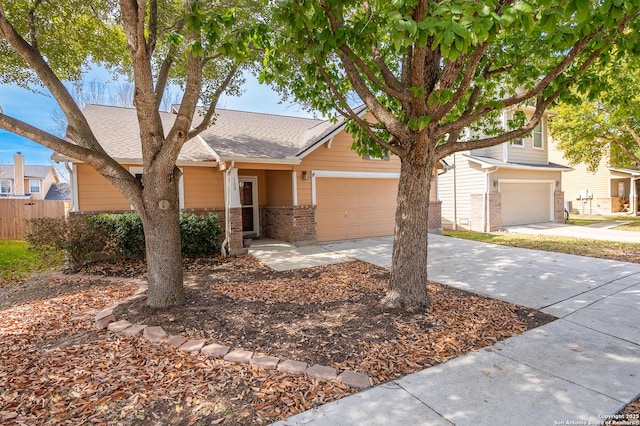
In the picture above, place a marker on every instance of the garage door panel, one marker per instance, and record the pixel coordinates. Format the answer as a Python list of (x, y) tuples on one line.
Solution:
[(524, 203), (355, 208)]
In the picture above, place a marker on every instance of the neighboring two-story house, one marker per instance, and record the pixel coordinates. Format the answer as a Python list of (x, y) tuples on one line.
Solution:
[(509, 184), (606, 190), (19, 180)]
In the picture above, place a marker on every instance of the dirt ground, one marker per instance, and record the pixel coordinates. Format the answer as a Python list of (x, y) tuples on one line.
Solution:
[(328, 315)]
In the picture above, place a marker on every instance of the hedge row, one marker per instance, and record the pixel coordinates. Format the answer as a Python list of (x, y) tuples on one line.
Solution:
[(118, 236)]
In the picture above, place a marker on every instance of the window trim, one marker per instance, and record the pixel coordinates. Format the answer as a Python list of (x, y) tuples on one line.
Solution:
[(10, 186), (31, 191), (520, 143), (533, 136)]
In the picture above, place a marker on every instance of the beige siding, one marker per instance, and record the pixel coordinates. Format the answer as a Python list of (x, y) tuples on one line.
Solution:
[(579, 179), (203, 188), (470, 179), (528, 154), (95, 193), (338, 158), (278, 185)]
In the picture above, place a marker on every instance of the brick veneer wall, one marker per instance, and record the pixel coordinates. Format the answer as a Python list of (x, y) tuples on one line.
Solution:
[(494, 210), (295, 224), (558, 206), (435, 217)]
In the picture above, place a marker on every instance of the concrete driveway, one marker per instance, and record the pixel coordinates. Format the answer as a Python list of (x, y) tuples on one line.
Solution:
[(578, 369), (553, 282), (598, 231)]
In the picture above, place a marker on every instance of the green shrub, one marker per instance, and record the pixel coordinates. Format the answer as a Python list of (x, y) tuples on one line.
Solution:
[(75, 236), (200, 235), (117, 235)]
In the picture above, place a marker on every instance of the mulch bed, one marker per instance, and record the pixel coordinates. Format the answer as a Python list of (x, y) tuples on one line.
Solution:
[(56, 368)]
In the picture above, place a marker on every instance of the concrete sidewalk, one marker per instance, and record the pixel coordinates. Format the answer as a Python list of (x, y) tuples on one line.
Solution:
[(582, 367)]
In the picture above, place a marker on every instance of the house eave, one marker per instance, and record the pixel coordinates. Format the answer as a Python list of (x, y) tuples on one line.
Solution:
[(512, 166), (260, 160), (138, 161)]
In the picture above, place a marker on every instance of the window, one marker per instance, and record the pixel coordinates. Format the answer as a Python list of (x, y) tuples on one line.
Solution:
[(5, 187), (34, 186), (517, 142), (537, 136)]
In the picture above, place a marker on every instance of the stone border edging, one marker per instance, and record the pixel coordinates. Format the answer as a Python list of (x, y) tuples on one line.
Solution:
[(105, 319)]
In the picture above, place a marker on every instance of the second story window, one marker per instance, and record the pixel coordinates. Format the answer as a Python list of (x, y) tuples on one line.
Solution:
[(517, 142), (5, 187), (537, 136), (34, 186)]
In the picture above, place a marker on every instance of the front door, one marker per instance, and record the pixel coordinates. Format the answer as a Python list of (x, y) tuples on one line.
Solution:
[(249, 204)]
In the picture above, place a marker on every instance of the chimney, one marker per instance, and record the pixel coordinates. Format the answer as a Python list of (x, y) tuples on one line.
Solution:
[(18, 174)]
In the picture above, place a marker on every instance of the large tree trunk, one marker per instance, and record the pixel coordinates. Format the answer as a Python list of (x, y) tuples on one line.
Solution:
[(161, 221), (408, 285)]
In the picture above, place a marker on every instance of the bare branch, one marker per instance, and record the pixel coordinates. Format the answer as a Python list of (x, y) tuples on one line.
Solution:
[(208, 116)]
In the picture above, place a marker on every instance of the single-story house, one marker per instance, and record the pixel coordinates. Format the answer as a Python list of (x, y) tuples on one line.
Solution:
[(289, 178), (513, 183), (606, 190), (19, 180)]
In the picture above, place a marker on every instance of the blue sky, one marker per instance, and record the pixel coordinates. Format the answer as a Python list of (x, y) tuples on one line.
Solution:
[(36, 107)]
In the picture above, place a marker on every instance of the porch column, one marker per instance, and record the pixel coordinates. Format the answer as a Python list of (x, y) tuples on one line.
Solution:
[(233, 212)]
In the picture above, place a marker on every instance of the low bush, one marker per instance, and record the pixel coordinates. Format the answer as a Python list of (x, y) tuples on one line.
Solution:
[(119, 236), (75, 236)]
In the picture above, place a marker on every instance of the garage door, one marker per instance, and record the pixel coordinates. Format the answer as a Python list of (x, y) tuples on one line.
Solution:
[(524, 203), (355, 208)]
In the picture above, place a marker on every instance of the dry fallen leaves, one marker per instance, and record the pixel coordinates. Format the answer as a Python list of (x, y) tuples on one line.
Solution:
[(57, 369)]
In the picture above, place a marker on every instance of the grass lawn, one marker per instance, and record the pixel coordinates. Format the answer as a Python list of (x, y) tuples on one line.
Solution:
[(626, 252), (632, 223), (17, 261)]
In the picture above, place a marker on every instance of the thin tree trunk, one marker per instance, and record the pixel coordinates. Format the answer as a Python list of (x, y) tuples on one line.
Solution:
[(161, 221), (408, 285)]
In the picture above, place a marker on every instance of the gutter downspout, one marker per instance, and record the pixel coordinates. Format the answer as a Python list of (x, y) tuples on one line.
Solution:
[(227, 211), (74, 200), (485, 216)]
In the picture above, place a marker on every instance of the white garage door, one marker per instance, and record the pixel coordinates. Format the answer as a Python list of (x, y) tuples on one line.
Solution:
[(355, 208), (524, 203)]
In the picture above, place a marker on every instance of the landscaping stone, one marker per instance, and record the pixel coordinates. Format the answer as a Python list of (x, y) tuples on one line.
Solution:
[(239, 355), (154, 334), (103, 322), (293, 367), (215, 350), (354, 379), (104, 313), (322, 372), (192, 346), (176, 341), (264, 361), (134, 330), (118, 326)]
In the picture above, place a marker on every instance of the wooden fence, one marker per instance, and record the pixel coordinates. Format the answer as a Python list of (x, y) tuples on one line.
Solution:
[(15, 212)]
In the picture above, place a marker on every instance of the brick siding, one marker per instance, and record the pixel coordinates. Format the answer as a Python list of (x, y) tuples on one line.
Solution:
[(294, 224)]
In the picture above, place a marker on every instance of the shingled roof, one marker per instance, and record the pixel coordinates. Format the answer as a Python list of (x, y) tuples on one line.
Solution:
[(234, 134), (30, 172), (118, 132)]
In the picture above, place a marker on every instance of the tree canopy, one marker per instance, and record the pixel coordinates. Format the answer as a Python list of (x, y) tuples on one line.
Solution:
[(197, 44), (603, 123), (436, 78)]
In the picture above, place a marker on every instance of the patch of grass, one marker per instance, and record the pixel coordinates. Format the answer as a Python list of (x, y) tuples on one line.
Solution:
[(581, 222), (633, 226), (17, 261), (626, 252)]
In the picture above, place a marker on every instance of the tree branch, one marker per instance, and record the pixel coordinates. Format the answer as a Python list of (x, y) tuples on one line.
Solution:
[(211, 110)]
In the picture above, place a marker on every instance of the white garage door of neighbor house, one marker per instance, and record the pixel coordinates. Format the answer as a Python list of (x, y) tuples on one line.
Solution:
[(524, 203), (355, 208)]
